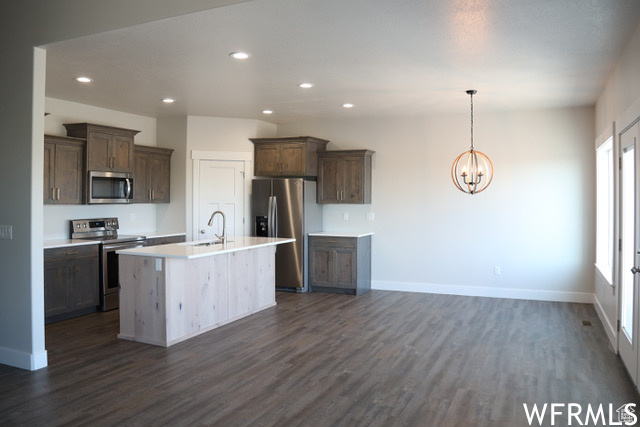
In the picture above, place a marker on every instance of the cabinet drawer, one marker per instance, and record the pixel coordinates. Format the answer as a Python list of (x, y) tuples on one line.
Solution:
[(333, 242), (67, 252)]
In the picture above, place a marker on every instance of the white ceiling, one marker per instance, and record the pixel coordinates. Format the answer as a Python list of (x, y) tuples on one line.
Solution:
[(401, 57)]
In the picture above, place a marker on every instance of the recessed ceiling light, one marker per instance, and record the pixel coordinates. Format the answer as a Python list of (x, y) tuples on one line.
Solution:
[(347, 105), (84, 79), (168, 100), (239, 55), (306, 85), (267, 112)]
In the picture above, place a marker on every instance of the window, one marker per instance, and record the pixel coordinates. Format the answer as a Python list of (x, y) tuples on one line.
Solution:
[(604, 209)]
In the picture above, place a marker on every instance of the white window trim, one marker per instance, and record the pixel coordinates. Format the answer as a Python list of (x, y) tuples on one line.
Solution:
[(608, 137)]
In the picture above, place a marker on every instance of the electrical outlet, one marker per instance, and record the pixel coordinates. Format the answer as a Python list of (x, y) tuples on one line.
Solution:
[(369, 216), (158, 264), (6, 232), (496, 270), (346, 216)]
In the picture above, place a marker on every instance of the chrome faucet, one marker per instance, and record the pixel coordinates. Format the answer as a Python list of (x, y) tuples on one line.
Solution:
[(222, 238)]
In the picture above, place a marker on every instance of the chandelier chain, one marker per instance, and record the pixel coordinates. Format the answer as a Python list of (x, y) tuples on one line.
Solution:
[(471, 121)]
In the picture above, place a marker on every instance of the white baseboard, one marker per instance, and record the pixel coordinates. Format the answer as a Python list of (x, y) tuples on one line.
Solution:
[(529, 294), (609, 327), (22, 359)]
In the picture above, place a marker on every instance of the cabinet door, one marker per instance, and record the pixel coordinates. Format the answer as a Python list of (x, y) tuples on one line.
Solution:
[(56, 295), (68, 173), (98, 151), (352, 185), (320, 267), (267, 160), (84, 286), (328, 187), (159, 178), (49, 172), (141, 178), (122, 153), (292, 159), (345, 268)]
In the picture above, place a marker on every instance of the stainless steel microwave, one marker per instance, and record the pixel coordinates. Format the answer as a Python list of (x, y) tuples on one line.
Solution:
[(110, 187)]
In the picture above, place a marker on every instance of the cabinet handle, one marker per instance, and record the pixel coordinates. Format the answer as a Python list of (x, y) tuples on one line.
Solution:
[(337, 195), (58, 193), (53, 193), (342, 195), (71, 252), (153, 194), (331, 241)]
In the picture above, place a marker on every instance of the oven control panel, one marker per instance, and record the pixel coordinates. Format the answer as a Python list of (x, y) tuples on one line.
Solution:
[(83, 228)]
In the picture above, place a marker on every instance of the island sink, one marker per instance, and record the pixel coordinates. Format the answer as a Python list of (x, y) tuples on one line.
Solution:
[(205, 243)]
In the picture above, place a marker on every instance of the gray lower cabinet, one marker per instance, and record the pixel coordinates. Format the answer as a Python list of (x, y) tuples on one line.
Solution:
[(71, 280), (340, 264), (155, 241)]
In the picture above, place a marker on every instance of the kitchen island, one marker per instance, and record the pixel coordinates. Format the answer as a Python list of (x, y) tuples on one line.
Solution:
[(173, 292)]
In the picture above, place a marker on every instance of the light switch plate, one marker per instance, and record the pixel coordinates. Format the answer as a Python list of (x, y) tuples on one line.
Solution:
[(6, 232), (158, 264)]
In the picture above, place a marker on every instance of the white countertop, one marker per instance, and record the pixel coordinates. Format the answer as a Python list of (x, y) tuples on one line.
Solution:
[(61, 243), (161, 234), (341, 234), (188, 250)]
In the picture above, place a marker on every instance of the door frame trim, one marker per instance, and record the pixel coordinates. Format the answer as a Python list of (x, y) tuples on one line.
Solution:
[(235, 156)]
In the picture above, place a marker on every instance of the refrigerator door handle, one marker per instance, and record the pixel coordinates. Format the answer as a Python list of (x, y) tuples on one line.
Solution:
[(270, 217), (275, 217)]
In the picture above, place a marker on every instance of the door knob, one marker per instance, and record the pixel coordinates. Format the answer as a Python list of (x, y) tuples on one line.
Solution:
[(202, 231), (635, 270)]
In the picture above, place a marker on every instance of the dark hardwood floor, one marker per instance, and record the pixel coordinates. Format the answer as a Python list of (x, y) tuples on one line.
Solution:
[(383, 358)]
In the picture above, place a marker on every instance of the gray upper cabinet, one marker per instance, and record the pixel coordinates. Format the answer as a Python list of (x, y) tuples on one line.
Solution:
[(63, 170), (108, 148), (152, 174), (287, 157), (344, 176)]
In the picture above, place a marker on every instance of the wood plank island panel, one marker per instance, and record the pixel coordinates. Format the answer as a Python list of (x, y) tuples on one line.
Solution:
[(164, 301)]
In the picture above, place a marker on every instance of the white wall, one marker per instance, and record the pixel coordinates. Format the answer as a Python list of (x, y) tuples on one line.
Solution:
[(620, 97), (535, 221), (218, 134), (172, 133), (133, 218), (622, 88)]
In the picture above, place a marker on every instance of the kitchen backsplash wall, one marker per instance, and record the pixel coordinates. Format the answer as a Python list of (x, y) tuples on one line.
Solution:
[(133, 219)]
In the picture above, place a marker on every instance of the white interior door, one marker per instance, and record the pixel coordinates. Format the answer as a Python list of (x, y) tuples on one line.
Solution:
[(630, 250), (220, 187)]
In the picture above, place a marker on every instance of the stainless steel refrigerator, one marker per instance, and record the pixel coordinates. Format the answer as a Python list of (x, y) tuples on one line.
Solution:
[(286, 207)]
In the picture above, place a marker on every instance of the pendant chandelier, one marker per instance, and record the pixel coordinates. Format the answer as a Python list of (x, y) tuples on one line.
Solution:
[(472, 171)]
